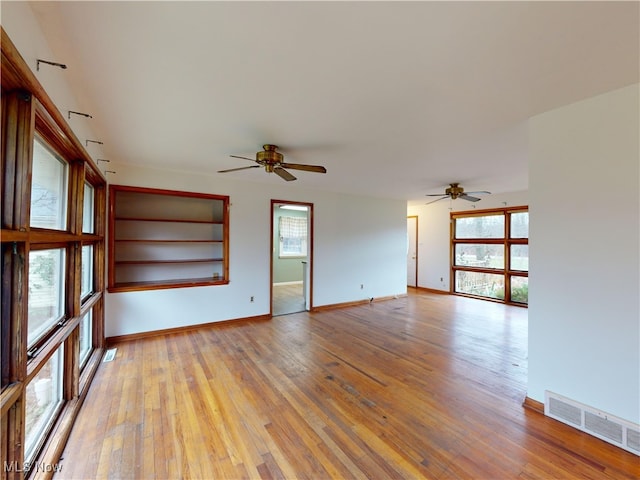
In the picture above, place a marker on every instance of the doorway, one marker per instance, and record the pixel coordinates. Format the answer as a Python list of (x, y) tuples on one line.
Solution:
[(291, 257), (412, 251)]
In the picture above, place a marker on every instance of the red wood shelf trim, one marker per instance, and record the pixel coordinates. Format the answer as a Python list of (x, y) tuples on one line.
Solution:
[(165, 284)]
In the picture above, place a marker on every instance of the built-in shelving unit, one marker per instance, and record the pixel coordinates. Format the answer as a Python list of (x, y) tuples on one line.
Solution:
[(166, 239)]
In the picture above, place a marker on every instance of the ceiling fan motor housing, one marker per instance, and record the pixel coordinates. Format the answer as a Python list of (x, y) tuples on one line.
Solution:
[(269, 156), (454, 191)]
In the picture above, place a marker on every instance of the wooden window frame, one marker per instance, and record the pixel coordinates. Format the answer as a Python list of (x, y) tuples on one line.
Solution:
[(27, 110), (506, 241)]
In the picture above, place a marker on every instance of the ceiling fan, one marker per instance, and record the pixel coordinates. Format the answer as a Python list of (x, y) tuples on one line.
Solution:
[(272, 161), (456, 191)]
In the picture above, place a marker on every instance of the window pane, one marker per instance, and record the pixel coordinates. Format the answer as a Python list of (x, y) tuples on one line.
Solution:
[(44, 395), (87, 209), (520, 257), (520, 225), (520, 289), (86, 346), (87, 271), (48, 189), (293, 236), (480, 255), (489, 226), (46, 291), (488, 285), (293, 247)]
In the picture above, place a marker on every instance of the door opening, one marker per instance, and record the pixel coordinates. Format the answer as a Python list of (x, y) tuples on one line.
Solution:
[(291, 257), (412, 251)]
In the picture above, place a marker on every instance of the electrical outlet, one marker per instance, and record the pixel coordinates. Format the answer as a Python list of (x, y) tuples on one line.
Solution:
[(362, 286), (441, 279), (251, 299)]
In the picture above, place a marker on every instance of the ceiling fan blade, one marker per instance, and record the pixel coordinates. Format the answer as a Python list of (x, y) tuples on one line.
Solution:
[(306, 168), (284, 174), (435, 195), (437, 199), (244, 158), (481, 192), (236, 169), (464, 196)]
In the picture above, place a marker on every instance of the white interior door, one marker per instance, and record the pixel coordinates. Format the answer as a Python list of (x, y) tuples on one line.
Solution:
[(412, 251)]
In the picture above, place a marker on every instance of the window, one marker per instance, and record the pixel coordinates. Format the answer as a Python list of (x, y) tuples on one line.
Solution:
[(87, 209), (48, 189), (52, 289), (487, 226), (44, 397), (293, 236), (491, 254), (480, 284), (46, 292), (86, 333), (86, 272)]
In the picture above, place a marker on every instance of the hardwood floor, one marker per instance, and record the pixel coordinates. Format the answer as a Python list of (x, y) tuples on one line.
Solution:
[(427, 386)]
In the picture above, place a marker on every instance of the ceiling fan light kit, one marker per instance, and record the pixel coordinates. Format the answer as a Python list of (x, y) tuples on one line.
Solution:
[(272, 161), (454, 191)]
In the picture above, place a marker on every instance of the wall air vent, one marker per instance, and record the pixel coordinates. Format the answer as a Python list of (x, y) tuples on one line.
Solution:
[(609, 428)]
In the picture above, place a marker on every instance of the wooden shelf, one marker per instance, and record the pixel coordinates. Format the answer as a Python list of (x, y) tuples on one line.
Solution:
[(165, 262), (171, 283), (169, 220), (142, 240), (152, 231)]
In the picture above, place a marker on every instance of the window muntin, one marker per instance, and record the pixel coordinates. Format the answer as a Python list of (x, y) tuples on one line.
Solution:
[(43, 398), (48, 189), (86, 282), (86, 333), (88, 209), (485, 226), (46, 292)]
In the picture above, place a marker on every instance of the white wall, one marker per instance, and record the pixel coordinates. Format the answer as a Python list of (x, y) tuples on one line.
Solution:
[(25, 33), (357, 241), (434, 237), (584, 332)]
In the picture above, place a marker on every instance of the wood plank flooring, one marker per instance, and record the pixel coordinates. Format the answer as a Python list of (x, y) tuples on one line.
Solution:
[(427, 386)]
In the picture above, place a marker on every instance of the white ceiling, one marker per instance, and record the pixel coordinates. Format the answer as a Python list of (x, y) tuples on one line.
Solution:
[(396, 99)]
